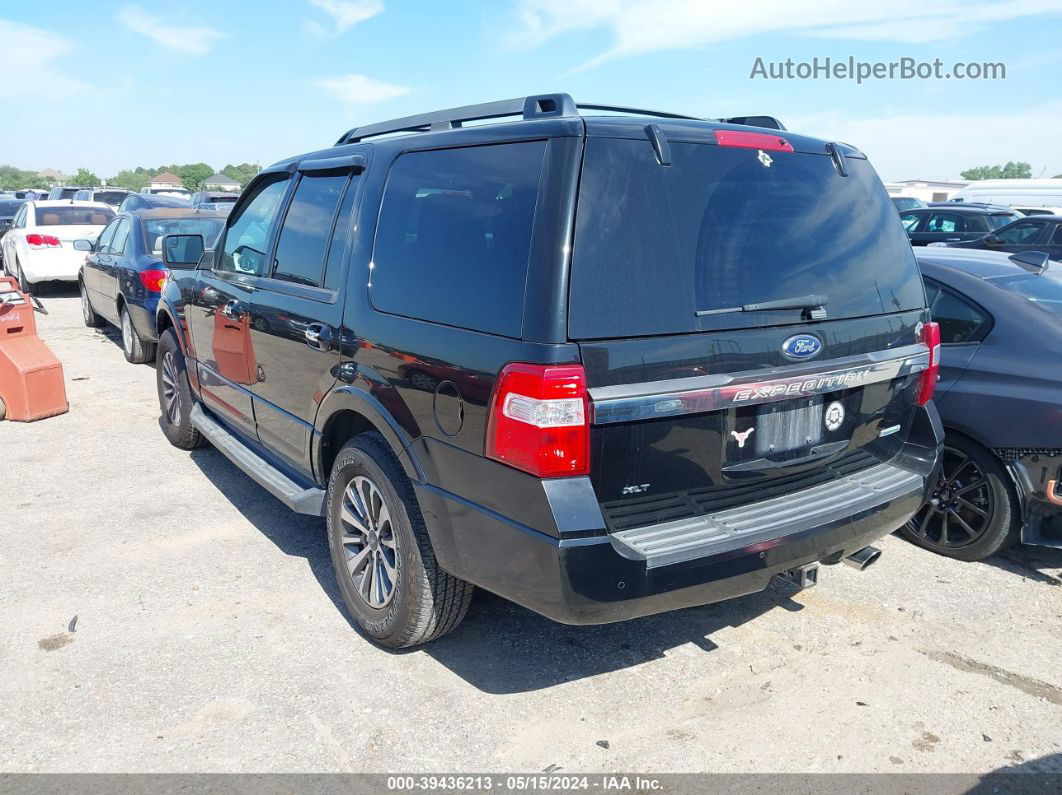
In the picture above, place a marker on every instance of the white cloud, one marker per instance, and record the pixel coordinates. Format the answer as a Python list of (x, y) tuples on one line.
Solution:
[(639, 27), (26, 63), (344, 14), (939, 146), (191, 41), (359, 89)]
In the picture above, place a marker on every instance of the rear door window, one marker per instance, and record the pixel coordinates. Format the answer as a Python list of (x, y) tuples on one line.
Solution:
[(453, 240), (307, 229), (722, 227), (946, 222), (960, 321), (910, 221)]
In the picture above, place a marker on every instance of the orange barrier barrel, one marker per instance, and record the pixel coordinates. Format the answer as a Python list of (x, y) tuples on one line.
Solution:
[(31, 378)]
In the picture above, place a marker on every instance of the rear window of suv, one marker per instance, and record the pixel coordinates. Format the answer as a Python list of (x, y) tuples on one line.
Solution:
[(722, 227), (454, 236)]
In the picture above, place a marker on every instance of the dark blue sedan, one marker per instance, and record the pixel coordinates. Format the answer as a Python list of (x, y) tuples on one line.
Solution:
[(123, 272), (1000, 399)]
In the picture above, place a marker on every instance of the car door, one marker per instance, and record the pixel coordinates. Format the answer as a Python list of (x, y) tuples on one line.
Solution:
[(297, 309), (1018, 237), (943, 227), (90, 273), (963, 325), (219, 313), (109, 266)]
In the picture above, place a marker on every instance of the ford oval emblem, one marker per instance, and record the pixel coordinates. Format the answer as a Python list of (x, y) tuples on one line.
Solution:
[(801, 347)]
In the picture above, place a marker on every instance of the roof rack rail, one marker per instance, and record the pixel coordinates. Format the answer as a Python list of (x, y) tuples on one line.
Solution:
[(536, 106)]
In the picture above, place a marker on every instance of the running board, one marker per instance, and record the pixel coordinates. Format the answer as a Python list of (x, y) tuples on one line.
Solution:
[(292, 494)]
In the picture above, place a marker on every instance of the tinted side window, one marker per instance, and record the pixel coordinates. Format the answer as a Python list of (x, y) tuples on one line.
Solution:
[(337, 248), (248, 230), (454, 236), (946, 222), (103, 242), (910, 220), (121, 237), (1021, 233), (959, 320), (1057, 239), (307, 229), (996, 221)]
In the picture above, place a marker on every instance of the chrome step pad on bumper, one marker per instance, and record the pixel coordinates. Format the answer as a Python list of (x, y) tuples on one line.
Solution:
[(687, 539)]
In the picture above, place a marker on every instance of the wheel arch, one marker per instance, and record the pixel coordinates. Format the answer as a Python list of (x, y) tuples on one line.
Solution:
[(164, 320), (348, 411)]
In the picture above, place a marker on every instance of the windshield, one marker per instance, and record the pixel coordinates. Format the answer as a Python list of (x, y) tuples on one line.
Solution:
[(110, 196), (1044, 290), (996, 220), (157, 228), (725, 227), (73, 216)]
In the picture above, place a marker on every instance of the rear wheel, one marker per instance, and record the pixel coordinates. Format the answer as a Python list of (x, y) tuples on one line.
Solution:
[(23, 283), (387, 572), (973, 511), (175, 394), (136, 349), (92, 320)]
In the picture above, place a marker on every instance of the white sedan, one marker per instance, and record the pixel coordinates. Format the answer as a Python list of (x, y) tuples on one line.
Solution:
[(39, 245)]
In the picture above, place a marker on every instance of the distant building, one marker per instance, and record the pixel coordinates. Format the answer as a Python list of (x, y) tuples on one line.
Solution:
[(928, 190), (53, 177), (166, 180), (221, 182)]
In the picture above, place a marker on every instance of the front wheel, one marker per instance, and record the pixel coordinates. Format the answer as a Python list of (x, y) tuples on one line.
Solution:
[(175, 394), (973, 511), (391, 583), (137, 350)]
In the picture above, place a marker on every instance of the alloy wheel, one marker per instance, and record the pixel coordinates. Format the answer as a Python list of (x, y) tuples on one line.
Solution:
[(961, 507), (86, 308), (127, 333), (370, 547), (171, 393)]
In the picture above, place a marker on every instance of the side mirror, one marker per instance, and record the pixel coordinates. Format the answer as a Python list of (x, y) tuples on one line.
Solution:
[(82, 245), (182, 251), (993, 240)]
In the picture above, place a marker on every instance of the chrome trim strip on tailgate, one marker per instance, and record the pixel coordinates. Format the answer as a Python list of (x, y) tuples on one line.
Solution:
[(723, 531), (671, 398)]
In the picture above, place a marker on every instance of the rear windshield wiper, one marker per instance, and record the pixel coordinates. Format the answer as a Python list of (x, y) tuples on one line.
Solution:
[(815, 305)]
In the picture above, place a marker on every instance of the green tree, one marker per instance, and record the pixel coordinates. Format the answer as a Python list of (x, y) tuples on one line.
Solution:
[(241, 173), (193, 175), (85, 179), (1012, 170), (132, 179), (12, 178)]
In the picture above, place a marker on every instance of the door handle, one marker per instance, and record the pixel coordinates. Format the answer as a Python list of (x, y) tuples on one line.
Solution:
[(232, 310), (317, 335)]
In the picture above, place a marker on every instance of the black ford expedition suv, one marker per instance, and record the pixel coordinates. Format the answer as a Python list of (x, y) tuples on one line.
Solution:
[(603, 366)]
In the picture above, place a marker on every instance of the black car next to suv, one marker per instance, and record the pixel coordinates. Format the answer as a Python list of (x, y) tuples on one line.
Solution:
[(954, 222), (669, 359)]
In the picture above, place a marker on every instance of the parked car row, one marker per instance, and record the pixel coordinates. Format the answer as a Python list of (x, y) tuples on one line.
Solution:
[(622, 365)]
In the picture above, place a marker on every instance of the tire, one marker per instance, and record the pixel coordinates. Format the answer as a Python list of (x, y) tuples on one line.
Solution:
[(20, 277), (171, 378), (423, 381), (384, 530), (137, 350), (88, 314), (974, 512)]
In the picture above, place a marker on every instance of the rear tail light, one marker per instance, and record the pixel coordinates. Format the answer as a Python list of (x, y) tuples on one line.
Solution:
[(153, 279), (42, 241), (928, 384), (752, 140), (539, 420)]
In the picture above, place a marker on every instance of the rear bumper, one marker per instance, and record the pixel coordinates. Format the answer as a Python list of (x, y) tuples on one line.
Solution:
[(592, 578), (60, 264)]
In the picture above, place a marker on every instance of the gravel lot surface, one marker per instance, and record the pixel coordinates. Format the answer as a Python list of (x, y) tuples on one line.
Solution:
[(160, 612)]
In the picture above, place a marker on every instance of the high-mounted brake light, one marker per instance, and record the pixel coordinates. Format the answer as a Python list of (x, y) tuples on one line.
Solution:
[(752, 140), (153, 279), (42, 241), (928, 384), (539, 420)]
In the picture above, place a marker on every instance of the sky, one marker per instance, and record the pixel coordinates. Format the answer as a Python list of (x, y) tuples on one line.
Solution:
[(111, 85)]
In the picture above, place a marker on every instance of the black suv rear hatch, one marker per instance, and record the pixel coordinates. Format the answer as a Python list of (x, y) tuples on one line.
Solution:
[(702, 401)]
